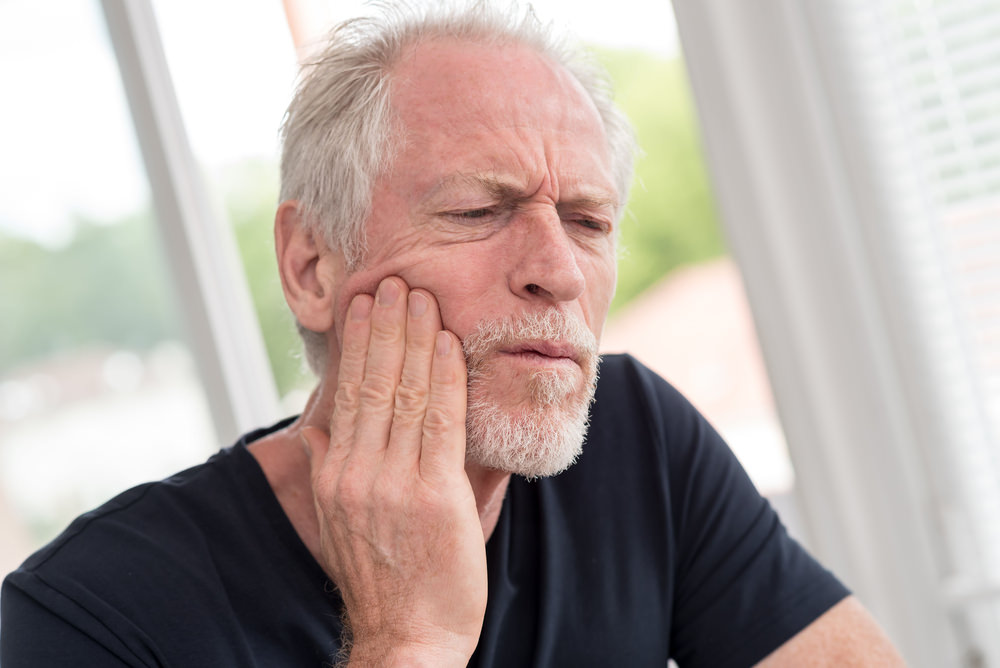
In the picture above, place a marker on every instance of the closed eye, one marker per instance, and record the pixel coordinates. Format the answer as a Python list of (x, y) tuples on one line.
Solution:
[(474, 213), (590, 225)]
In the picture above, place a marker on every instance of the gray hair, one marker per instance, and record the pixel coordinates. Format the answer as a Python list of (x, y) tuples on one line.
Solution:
[(339, 134)]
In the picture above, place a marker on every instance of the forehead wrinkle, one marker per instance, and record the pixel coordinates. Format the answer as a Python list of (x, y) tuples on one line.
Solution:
[(490, 183), (509, 189), (596, 201)]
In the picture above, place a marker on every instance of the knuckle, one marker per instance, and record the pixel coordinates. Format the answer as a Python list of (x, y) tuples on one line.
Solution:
[(347, 396), (353, 352), (410, 400), (437, 420), (324, 487), (388, 493), (352, 489), (387, 333), (449, 377), (377, 388)]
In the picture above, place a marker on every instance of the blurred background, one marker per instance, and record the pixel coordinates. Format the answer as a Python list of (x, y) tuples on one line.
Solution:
[(811, 253)]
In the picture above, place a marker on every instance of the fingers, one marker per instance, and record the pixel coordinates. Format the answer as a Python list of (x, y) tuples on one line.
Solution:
[(444, 421), (399, 531), (422, 325), (383, 367), (353, 357), (401, 388)]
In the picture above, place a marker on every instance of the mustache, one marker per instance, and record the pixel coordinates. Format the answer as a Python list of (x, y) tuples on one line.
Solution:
[(553, 325)]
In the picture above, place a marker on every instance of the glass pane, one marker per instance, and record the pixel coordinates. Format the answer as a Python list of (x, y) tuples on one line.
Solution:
[(97, 390), (233, 87)]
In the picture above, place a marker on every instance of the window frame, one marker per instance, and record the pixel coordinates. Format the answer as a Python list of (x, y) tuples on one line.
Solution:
[(223, 330)]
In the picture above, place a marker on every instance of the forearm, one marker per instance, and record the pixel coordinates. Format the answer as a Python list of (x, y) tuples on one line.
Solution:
[(846, 635)]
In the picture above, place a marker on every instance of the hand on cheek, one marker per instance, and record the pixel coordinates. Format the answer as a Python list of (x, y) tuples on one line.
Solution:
[(399, 530)]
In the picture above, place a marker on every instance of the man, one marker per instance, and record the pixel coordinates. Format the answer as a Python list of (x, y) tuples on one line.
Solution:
[(451, 185)]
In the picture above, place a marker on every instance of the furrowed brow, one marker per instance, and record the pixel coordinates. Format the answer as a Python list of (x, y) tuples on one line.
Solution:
[(592, 201), (508, 190), (503, 189)]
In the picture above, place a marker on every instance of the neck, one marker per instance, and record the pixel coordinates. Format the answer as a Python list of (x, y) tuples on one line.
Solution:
[(490, 487), (282, 458)]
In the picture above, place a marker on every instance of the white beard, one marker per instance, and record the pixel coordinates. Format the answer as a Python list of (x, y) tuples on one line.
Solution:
[(544, 435)]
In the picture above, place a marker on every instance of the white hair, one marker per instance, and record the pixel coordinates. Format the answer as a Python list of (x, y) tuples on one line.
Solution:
[(544, 435), (339, 133)]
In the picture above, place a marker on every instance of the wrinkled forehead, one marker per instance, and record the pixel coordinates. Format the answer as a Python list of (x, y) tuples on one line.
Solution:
[(505, 97)]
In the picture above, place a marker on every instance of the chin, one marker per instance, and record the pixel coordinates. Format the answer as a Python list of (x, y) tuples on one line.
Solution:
[(531, 380), (539, 436)]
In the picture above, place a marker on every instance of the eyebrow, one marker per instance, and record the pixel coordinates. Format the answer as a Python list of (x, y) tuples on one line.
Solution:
[(507, 190)]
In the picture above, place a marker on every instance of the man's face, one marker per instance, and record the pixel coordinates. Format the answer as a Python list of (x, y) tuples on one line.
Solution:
[(502, 204)]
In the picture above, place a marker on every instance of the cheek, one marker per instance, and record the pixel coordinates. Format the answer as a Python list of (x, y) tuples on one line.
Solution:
[(601, 281), (461, 284), (464, 291)]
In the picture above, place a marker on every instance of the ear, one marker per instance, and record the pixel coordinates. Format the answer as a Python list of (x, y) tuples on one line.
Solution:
[(309, 269)]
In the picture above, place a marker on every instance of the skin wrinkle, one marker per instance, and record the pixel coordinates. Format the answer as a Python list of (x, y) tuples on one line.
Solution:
[(501, 190), (406, 255)]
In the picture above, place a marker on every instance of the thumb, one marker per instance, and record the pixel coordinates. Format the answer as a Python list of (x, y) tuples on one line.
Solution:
[(316, 443)]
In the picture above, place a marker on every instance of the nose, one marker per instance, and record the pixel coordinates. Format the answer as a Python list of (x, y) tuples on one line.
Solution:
[(546, 266)]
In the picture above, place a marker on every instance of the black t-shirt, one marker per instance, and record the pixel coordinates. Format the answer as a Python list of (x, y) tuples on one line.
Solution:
[(654, 544)]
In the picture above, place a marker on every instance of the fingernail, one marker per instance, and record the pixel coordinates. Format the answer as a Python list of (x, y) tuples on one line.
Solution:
[(418, 304), (360, 308), (443, 344), (388, 292)]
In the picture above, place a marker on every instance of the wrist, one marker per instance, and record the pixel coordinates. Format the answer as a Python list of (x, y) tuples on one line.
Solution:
[(408, 656)]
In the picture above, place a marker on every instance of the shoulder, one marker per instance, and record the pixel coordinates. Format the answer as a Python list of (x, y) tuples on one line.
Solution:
[(178, 533), (621, 371), (634, 404), (125, 570), (162, 570), (173, 507), (133, 557), (627, 385), (737, 575)]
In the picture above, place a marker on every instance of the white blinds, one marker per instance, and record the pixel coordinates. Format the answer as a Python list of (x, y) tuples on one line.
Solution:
[(854, 147), (929, 76), (927, 80)]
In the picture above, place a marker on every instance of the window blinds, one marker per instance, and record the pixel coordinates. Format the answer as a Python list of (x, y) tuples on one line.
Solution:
[(928, 75)]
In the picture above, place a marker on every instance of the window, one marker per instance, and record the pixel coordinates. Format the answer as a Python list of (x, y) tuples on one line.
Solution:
[(98, 387)]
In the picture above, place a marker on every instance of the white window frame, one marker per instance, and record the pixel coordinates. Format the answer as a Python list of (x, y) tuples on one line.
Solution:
[(223, 330)]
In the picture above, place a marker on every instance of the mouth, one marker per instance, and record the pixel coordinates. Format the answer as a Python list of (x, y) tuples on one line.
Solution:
[(543, 352)]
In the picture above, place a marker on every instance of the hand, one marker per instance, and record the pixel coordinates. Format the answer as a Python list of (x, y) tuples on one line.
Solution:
[(399, 530)]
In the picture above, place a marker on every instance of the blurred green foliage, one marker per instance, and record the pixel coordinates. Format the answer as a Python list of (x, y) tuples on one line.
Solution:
[(670, 219), (251, 196), (109, 286)]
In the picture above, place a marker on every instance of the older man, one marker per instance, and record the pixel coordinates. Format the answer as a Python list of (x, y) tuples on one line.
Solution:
[(452, 185)]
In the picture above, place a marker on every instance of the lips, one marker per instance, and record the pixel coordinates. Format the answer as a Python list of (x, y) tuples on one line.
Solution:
[(552, 349)]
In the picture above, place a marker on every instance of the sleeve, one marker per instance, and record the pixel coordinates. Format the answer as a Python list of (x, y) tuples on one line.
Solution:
[(39, 629), (742, 585)]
